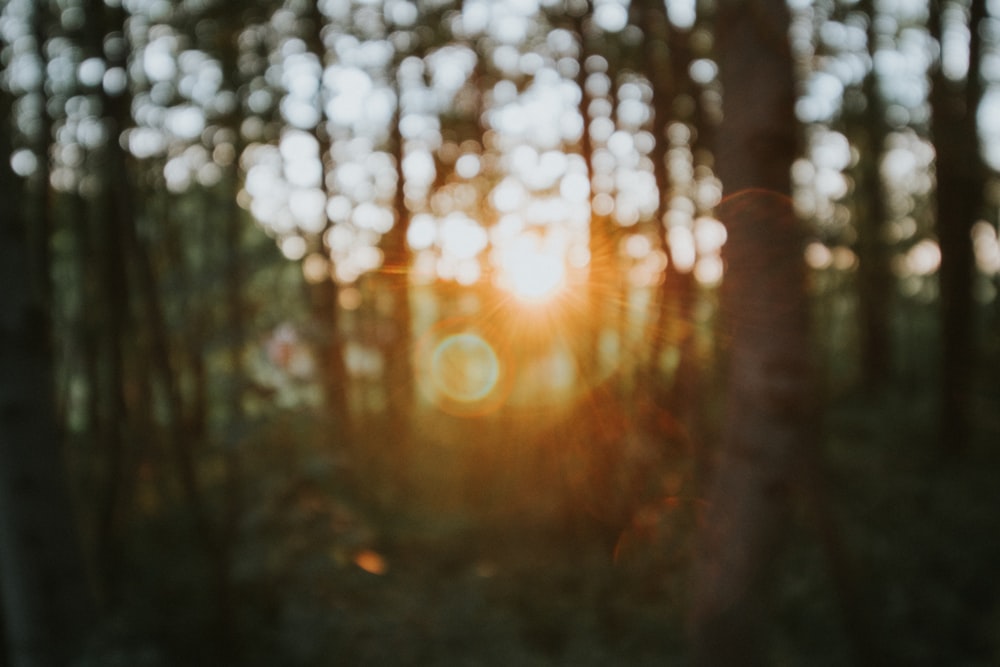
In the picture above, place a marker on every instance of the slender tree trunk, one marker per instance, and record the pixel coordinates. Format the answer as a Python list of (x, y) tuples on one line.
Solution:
[(667, 62), (232, 510), (600, 287), (874, 277), (111, 326), (40, 230), (770, 410), (399, 366), (960, 184), (114, 290), (659, 66), (325, 294)]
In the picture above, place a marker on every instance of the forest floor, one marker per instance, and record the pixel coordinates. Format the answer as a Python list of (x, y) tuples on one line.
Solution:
[(482, 560), (921, 526)]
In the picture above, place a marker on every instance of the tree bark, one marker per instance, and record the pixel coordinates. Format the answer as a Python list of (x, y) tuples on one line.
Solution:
[(399, 365), (43, 591), (667, 61), (960, 182), (601, 288), (324, 295), (770, 403), (874, 277)]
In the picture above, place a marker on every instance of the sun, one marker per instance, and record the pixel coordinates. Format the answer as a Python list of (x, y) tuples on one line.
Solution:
[(533, 276)]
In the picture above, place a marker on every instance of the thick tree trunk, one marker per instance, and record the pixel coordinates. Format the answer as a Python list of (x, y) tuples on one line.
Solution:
[(769, 421), (770, 404), (43, 590)]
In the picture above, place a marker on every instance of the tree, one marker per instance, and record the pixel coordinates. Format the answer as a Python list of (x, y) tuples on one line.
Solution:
[(396, 262), (769, 406), (875, 278), (43, 590), (107, 334), (666, 63), (960, 183), (601, 278), (325, 293)]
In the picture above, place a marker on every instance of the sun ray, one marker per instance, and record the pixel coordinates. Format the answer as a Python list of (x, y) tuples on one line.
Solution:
[(531, 273)]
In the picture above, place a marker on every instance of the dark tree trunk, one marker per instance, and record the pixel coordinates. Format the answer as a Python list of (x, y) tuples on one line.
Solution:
[(960, 183), (399, 366), (114, 422), (667, 63), (112, 328), (44, 594), (770, 410), (40, 230), (325, 294), (660, 67), (600, 279), (875, 280), (161, 353), (236, 270)]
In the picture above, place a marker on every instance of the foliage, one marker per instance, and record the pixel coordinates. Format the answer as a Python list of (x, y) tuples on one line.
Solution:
[(389, 333)]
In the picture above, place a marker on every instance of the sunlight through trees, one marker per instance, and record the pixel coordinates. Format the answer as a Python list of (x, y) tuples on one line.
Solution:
[(496, 331)]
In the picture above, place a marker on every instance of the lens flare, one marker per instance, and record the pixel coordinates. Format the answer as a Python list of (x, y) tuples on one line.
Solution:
[(533, 276), (464, 368), (460, 369)]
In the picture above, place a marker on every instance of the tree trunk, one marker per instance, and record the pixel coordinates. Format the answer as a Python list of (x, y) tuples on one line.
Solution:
[(659, 65), (324, 296), (600, 278), (667, 63), (770, 404), (399, 366), (874, 277), (960, 182), (43, 590)]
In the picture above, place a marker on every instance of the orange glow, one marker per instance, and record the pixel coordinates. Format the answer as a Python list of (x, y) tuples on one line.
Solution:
[(371, 562)]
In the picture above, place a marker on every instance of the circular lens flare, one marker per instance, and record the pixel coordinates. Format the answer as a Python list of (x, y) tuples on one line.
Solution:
[(464, 368), (461, 369)]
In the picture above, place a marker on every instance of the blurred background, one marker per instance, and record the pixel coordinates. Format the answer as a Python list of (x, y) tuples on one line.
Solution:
[(388, 332)]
